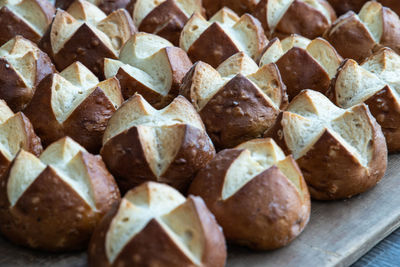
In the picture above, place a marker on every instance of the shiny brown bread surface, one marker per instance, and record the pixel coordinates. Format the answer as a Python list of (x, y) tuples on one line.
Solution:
[(50, 214), (332, 167), (86, 120), (238, 101), (20, 24), (154, 244), (144, 144), (265, 213)]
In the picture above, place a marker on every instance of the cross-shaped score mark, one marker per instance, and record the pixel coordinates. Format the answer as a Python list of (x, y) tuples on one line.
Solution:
[(142, 143), (338, 150), (228, 33)]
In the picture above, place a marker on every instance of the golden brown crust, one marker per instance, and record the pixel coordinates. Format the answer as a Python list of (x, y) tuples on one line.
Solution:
[(128, 165), (187, 83), (266, 213), (63, 4), (238, 112), (86, 124), (31, 225), (32, 143), (225, 43), (195, 151), (300, 18), (392, 4), (97, 251), (107, 6), (50, 215), (238, 6), (337, 167), (13, 89), (105, 189), (44, 67), (275, 132), (83, 46), (4, 164), (44, 118), (260, 12), (215, 52), (391, 30), (330, 170), (350, 28), (386, 109), (215, 248), (362, 43), (125, 157), (88, 121), (163, 252), (179, 63), (16, 26), (45, 44), (166, 20), (301, 71), (297, 20), (131, 86), (342, 6)]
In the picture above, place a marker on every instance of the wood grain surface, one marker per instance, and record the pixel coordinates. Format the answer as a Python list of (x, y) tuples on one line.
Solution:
[(338, 234), (385, 254)]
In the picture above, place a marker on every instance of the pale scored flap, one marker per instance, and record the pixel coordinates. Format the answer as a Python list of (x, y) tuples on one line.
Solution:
[(257, 156), (143, 8), (22, 56), (242, 31), (319, 49), (355, 84), (370, 17), (207, 81), (160, 131), (64, 157), (177, 217), (66, 23), (13, 135), (144, 58), (73, 85), (385, 65), (310, 114), (5, 112), (30, 12), (12, 132), (138, 112), (276, 9)]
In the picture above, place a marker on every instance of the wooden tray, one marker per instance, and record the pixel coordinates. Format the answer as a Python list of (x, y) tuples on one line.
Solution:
[(337, 235)]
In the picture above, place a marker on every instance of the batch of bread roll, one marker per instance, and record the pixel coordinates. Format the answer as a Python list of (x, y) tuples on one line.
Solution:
[(154, 132)]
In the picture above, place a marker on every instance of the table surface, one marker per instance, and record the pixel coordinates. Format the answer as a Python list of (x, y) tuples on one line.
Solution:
[(385, 254), (339, 233)]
